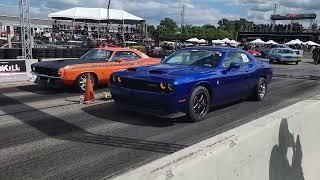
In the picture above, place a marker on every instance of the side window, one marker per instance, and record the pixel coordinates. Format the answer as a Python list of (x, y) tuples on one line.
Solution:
[(125, 55), (233, 57), (274, 51)]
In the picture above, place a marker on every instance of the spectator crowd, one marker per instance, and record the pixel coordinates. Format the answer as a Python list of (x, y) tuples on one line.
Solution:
[(94, 35), (282, 28)]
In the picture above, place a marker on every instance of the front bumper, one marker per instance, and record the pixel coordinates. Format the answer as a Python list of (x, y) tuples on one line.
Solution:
[(166, 105), (45, 76), (290, 59), (46, 81)]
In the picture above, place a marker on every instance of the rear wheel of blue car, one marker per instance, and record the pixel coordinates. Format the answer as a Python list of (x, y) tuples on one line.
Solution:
[(261, 89), (199, 104)]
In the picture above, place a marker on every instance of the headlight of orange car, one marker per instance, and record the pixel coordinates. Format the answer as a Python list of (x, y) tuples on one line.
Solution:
[(61, 72), (66, 67)]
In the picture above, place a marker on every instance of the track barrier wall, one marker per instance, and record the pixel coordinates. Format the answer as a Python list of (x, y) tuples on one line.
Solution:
[(40, 53), (15, 70), (282, 145)]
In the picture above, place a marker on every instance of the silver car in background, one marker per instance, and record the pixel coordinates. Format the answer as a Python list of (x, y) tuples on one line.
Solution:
[(284, 55)]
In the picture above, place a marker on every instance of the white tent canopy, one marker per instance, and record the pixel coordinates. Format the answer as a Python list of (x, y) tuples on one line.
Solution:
[(272, 42), (294, 42), (97, 14), (217, 41), (234, 42), (311, 43), (196, 40), (202, 41), (193, 40), (226, 40), (257, 41)]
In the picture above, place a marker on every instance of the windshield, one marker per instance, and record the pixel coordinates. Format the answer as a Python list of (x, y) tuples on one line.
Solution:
[(194, 58), (97, 54), (285, 51)]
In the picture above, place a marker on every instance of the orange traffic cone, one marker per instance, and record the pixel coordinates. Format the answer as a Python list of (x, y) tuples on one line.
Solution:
[(89, 94)]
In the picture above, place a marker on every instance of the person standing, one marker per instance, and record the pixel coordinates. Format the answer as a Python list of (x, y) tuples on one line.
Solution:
[(316, 55)]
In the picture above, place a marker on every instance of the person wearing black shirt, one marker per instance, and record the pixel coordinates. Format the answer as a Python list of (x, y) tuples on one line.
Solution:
[(316, 55)]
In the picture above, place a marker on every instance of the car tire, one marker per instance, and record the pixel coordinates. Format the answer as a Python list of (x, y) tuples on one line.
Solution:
[(297, 62), (260, 90), (81, 81), (199, 104)]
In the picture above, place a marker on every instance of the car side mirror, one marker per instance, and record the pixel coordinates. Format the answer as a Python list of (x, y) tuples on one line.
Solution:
[(234, 65)]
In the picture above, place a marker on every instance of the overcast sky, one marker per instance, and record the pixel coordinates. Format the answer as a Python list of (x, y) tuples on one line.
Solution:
[(197, 12)]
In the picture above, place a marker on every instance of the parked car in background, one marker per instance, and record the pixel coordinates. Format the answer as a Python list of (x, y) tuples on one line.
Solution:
[(264, 50), (284, 55), (99, 62), (190, 81), (255, 53)]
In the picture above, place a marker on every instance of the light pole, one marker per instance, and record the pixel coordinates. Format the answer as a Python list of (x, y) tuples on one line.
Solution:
[(108, 14), (25, 23)]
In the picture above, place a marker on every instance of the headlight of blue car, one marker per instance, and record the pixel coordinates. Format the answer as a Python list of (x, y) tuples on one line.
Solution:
[(166, 86)]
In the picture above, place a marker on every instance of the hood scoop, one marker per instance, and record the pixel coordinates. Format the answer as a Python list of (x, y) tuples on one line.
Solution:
[(156, 72)]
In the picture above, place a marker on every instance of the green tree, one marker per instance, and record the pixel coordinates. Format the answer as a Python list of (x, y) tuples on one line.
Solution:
[(152, 31), (167, 27), (168, 30)]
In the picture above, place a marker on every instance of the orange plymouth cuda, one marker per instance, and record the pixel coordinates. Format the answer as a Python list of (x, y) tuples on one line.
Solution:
[(99, 62)]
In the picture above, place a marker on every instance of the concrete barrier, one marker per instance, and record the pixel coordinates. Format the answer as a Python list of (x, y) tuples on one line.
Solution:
[(283, 145), (15, 70)]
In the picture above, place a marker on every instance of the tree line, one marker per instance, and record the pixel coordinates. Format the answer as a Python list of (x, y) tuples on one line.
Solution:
[(169, 30)]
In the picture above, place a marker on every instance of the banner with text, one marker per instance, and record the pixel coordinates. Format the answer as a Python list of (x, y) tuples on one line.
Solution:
[(13, 70)]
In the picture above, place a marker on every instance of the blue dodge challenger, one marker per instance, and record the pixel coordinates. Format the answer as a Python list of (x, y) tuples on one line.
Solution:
[(190, 81)]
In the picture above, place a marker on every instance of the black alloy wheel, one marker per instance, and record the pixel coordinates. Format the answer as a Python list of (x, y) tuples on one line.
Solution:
[(199, 104), (260, 90)]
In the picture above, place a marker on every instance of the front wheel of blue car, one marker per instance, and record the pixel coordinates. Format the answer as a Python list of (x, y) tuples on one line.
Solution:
[(260, 90), (199, 104)]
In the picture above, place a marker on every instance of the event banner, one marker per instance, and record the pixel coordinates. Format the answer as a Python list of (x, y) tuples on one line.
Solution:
[(14, 66)]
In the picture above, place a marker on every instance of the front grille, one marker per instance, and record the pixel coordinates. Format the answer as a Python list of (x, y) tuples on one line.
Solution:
[(47, 71), (140, 85), (141, 102)]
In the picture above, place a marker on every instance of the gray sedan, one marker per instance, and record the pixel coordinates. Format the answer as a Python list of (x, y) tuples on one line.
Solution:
[(283, 55)]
